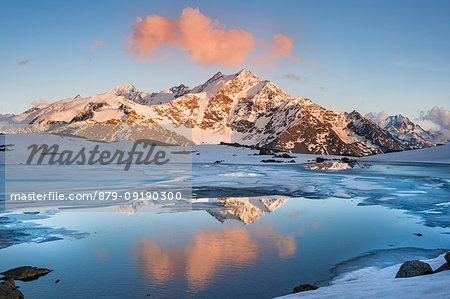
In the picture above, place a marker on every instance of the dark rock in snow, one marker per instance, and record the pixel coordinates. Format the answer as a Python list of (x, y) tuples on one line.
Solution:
[(271, 161), (265, 151), (348, 160), (287, 156), (413, 268), (304, 288)]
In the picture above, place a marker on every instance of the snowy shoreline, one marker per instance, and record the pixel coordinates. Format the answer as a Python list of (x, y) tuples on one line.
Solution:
[(435, 154), (209, 153), (226, 153), (370, 282)]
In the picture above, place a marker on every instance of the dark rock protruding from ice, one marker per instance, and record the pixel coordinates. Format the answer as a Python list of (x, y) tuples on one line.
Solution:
[(413, 268), (304, 287), (26, 273)]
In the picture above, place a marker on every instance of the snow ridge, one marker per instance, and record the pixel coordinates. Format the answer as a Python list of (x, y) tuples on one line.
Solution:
[(241, 108)]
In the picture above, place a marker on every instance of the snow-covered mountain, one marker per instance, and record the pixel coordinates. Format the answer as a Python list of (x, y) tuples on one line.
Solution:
[(241, 108), (411, 135)]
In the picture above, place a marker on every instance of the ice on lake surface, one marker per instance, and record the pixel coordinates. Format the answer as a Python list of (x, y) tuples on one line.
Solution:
[(251, 231), (422, 189)]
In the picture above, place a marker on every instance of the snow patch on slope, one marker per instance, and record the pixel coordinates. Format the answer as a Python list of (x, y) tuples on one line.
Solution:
[(437, 154)]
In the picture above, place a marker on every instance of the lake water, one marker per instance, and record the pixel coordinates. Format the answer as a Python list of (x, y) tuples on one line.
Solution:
[(251, 231)]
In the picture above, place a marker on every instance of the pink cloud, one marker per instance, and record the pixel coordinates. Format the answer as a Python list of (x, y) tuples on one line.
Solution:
[(206, 41), (152, 33), (24, 62), (208, 46), (97, 44), (291, 77), (282, 47)]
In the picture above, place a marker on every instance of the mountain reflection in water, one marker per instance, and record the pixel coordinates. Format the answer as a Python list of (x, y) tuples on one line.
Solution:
[(209, 251), (243, 209)]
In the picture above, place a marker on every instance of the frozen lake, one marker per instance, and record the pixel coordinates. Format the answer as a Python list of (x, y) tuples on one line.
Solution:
[(249, 230)]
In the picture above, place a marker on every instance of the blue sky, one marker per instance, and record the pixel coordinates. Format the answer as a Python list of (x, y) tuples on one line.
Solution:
[(368, 55)]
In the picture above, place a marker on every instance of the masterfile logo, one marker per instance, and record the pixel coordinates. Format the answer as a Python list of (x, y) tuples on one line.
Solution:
[(142, 152), (96, 165)]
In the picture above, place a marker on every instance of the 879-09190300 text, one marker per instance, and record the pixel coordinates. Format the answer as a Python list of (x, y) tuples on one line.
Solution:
[(97, 195)]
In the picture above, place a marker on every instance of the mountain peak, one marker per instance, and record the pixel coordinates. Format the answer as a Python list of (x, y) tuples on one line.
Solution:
[(406, 131), (124, 90), (125, 87), (217, 76), (399, 117), (179, 90), (396, 120), (242, 108), (246, 73), (355, 113)]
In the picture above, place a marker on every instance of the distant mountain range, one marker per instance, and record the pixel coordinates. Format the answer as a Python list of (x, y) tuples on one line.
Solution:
[(407, 132), (238, 108)]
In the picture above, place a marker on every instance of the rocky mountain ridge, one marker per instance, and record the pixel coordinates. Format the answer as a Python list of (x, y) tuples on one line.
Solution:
[(239, 108)]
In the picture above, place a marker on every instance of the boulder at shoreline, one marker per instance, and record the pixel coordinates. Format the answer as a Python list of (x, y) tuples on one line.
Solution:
[(26, 273), (413, 268)]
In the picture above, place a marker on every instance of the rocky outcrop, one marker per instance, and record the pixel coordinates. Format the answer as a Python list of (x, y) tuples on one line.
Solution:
[(238, 108), (179, 90), (8, 290), (26, 273), (413, 268), (304, 288)]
